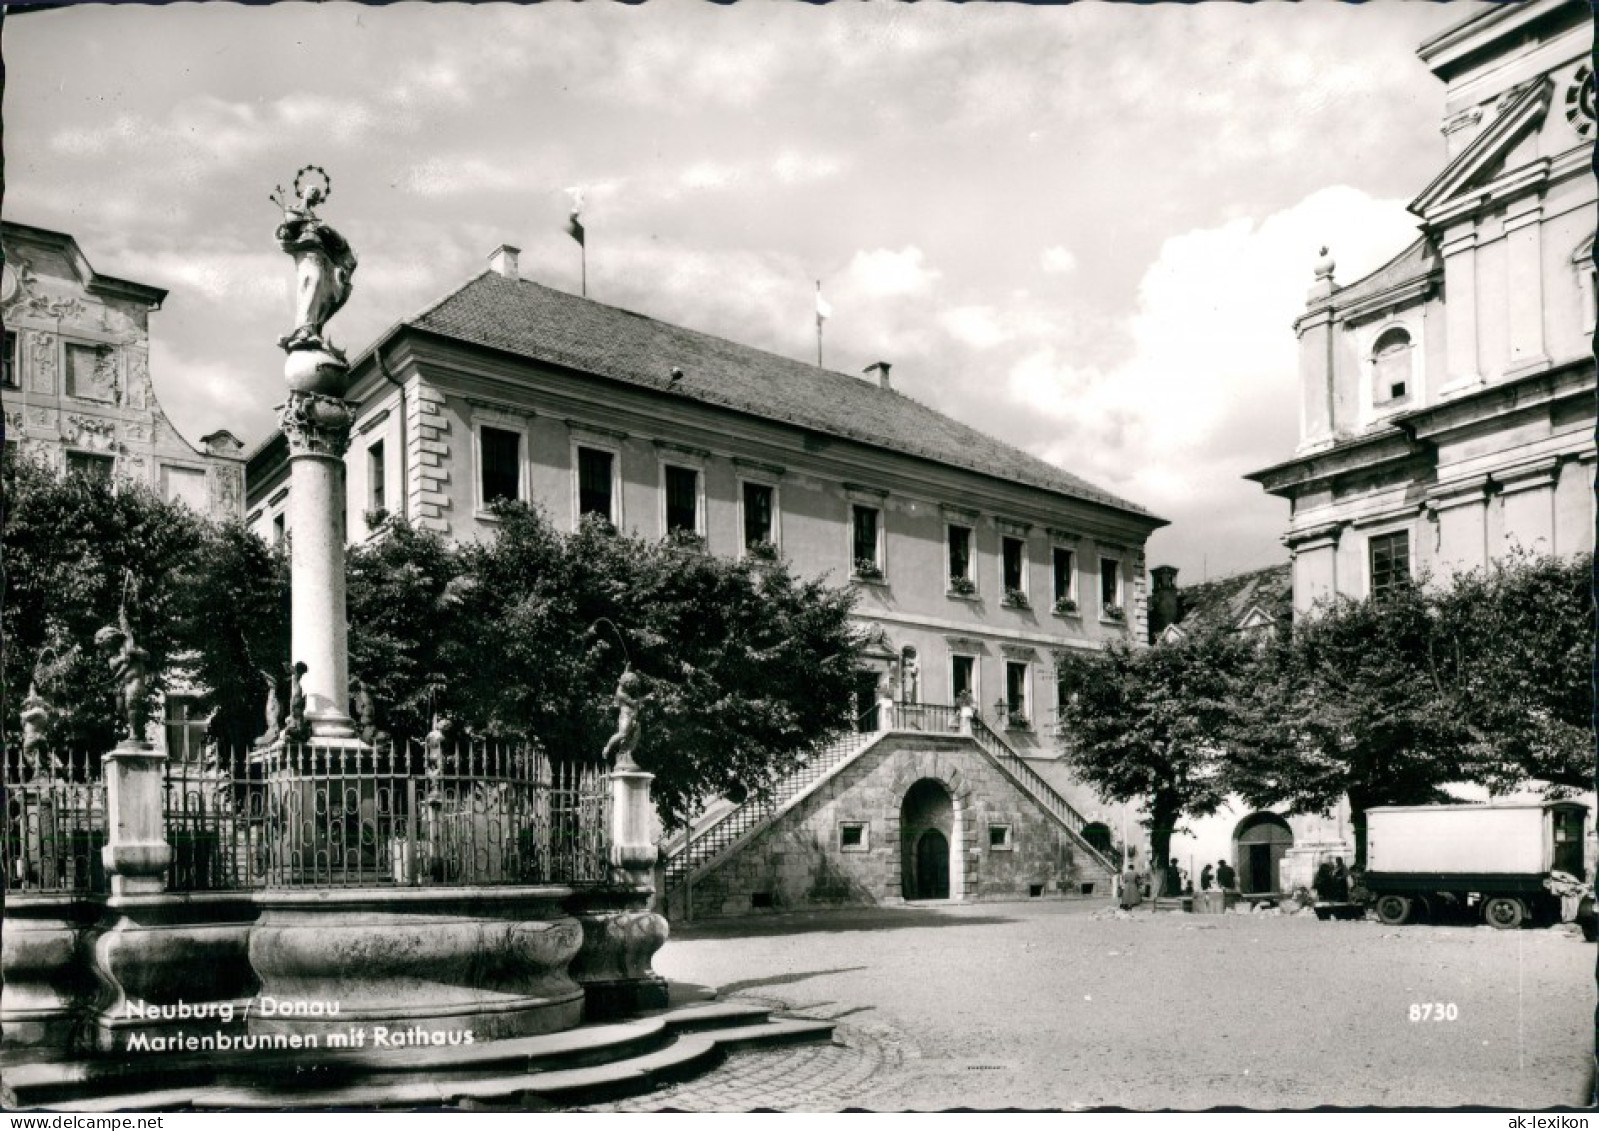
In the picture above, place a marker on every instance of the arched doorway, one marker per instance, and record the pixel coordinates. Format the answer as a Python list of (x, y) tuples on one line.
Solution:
[(927, 829), (1097, 834), (1260, 841)]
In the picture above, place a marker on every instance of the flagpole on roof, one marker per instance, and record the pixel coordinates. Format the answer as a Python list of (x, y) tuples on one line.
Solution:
[(823, 312), (574, 228)]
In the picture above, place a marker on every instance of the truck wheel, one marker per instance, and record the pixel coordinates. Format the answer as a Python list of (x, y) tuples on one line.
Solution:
[(1504, 912), (1394, 909)]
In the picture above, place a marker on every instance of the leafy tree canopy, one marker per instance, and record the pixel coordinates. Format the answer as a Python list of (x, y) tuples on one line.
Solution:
[(745, 667), (207, 601), (1146, 724)]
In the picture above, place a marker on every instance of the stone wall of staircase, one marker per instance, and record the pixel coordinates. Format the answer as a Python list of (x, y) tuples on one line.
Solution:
[(797, 862)]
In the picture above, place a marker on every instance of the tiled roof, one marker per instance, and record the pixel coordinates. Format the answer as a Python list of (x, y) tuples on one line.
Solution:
[(1227, 600), (543, 324)]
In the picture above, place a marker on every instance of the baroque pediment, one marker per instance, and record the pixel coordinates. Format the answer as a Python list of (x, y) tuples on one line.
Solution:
[(1491, 166)]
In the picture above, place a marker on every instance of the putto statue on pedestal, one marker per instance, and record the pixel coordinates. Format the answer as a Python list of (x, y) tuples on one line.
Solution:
[(128, 668)]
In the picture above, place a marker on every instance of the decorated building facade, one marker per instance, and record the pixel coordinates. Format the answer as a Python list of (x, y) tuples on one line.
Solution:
[(76, 382)]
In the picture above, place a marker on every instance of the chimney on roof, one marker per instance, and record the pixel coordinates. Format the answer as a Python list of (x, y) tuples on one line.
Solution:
[(881, 369), (1165, 603), (503, 261)]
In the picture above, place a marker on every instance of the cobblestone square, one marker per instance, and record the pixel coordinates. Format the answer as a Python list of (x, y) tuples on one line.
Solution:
[(1060, 1005)]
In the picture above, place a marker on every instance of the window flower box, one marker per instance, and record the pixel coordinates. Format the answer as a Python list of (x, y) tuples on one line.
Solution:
[(1018, 721), (962, 586), (867, 570), (1065, 607), (1115, 613), (1016, 599), (762, 551)]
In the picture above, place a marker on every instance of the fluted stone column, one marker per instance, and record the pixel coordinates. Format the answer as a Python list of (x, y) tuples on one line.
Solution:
[(318, 430)]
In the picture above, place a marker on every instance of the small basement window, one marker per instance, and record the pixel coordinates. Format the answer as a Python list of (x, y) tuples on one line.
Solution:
[(852, 836), (1086, 889), (999, 838), (1034, 891), (761, 900)]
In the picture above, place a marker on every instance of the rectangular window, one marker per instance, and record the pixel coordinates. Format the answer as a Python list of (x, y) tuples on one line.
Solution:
[(759, 525), (866, 542), (999, 838), (377, 495), (9, 378), (1013, 554), (184, 485), (1390, 562), (1065, 575), (1110, 584), (502, 464), (960, 553), (594, 485), (90, 466), (280, 529), (963, 679), (682, 500), (852, 836), (1016, 691)]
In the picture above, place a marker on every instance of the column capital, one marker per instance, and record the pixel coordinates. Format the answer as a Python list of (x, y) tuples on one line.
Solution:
[(317, 425)]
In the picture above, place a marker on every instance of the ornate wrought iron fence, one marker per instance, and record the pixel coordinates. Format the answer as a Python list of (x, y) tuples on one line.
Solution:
[(55, 823), (476, 812), (473, 812)]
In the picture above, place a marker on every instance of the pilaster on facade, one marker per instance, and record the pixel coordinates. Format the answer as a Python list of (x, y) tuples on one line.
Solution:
[(428, 460)]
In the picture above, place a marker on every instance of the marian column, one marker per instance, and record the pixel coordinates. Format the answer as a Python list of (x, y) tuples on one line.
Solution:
[(316, 421)]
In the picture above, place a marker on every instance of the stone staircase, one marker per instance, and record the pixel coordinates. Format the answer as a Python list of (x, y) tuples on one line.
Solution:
[(688, 855), (585, 1065), (685, 855)]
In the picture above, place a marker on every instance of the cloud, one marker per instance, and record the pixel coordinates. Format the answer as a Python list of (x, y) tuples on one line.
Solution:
[(976, 326), (1058, 261), (882, 273), (1208, 389)]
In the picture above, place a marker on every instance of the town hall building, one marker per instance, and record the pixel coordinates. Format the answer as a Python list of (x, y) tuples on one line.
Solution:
[(974, 562)]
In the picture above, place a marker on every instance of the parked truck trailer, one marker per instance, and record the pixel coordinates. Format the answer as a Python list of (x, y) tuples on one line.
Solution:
[(1490, 859)]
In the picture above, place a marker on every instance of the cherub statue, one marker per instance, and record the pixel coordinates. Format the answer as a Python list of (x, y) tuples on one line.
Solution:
[(127, 662), (297, 725), (625, 740), (324, 263), (364, 710), (274, 711), (36, 753)]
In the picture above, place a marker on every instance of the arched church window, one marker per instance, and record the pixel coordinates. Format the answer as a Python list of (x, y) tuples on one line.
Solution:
[(1392, 358), (1587, 282)]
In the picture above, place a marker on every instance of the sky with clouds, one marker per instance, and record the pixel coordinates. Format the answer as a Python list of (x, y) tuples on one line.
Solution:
[(1084, 229)]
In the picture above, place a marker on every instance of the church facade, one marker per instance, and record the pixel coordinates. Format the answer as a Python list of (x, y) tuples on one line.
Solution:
[(1447, 398)]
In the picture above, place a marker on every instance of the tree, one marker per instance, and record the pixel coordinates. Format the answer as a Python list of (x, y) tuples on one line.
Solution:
[(744, 666), (1346, 707), (1147, 724), (407, 643), (1513, 658), (205, 601)]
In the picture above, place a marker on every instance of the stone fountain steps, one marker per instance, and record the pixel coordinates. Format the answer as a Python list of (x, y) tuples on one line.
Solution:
[(591, 1063)]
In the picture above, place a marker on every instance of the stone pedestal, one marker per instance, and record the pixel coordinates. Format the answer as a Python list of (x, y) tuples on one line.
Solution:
[(633, 852), (136, 853), (317, 427), (620, 932)]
